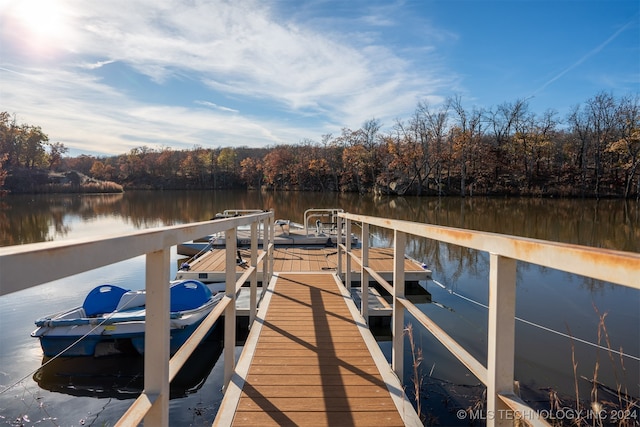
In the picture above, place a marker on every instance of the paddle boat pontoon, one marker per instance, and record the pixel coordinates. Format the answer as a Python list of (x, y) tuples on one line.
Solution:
[(112, 320)]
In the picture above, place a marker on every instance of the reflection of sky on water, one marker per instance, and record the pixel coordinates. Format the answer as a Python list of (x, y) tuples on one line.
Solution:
[(23, 356), (76, 227), (21, 309)]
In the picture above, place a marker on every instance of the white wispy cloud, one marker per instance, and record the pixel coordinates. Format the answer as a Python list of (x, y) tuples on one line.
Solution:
[(242, 50), (95, 65), (216, 106)]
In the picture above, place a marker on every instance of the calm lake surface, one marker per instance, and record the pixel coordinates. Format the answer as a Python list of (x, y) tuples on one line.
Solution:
[(558, 314)]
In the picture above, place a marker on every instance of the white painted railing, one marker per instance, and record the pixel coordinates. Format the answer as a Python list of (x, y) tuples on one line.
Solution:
[(325, 219), (29, 265), (622, 268)]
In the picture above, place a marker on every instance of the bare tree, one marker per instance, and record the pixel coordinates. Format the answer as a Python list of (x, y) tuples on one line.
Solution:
[(470, 131), (601, 111), (627, 145)]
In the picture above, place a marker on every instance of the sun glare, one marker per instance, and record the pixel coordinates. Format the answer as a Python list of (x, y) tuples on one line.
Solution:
[(42, 23)]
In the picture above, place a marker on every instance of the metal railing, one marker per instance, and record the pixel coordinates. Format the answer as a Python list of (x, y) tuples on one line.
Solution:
[(29, 265), (621, 268), (330, 216)]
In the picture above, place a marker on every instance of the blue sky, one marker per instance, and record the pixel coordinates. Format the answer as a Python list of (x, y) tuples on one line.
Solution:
[(103, 77)]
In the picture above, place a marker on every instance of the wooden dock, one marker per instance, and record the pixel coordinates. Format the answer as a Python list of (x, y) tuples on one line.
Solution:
[(210, 267), (311, 360)]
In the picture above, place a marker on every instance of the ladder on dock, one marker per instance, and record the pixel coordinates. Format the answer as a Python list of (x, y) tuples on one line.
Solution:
[(311, 360)]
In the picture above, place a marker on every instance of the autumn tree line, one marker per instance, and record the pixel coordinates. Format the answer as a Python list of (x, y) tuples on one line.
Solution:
[(446, 150)]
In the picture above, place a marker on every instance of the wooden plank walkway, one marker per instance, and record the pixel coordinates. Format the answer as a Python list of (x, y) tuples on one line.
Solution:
[(310, 360), (211, 265)]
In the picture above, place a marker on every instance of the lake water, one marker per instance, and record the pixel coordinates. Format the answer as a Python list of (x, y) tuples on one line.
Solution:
[(558, 314)]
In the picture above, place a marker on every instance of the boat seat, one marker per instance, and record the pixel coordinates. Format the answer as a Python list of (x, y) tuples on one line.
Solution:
[(189, 295), (322, 227), (132, 299), (102, 299)]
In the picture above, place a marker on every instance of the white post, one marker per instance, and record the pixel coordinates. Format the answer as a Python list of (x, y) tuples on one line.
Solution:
[(347, 242), (339, 233), (364, 275), (254, 276), (230, 310), (397, 354), (501, 340), (156, 338), (265, 260), (272, 234)]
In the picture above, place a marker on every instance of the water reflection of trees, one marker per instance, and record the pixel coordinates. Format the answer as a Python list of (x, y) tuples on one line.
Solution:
[(39, 218), (612, 224)]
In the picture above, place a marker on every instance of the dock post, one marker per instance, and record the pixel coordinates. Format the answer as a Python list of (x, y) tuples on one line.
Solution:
[(347, 245), (364, 274), (272, 234), (230, 310), (397, 354), (265, 248), (339, 233), (253, 297), (501, 338), (156, 337)]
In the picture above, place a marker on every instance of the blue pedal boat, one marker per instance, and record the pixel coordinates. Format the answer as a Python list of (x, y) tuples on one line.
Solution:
[(112, 320)]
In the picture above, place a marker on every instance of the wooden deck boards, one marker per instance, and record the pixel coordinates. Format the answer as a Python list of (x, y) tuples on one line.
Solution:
[(311, 364), (301, 259), (307, 360)]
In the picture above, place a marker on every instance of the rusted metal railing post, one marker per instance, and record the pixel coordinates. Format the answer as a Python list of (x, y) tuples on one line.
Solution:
[(501, 339), (397, 354)]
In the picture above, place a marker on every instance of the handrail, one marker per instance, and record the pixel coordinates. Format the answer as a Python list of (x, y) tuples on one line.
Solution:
[(56, 260), (319, 212), (237, 212), (53, 258), (622, 268)]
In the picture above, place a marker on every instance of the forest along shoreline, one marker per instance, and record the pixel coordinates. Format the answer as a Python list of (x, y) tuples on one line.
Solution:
[(447, 150)]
